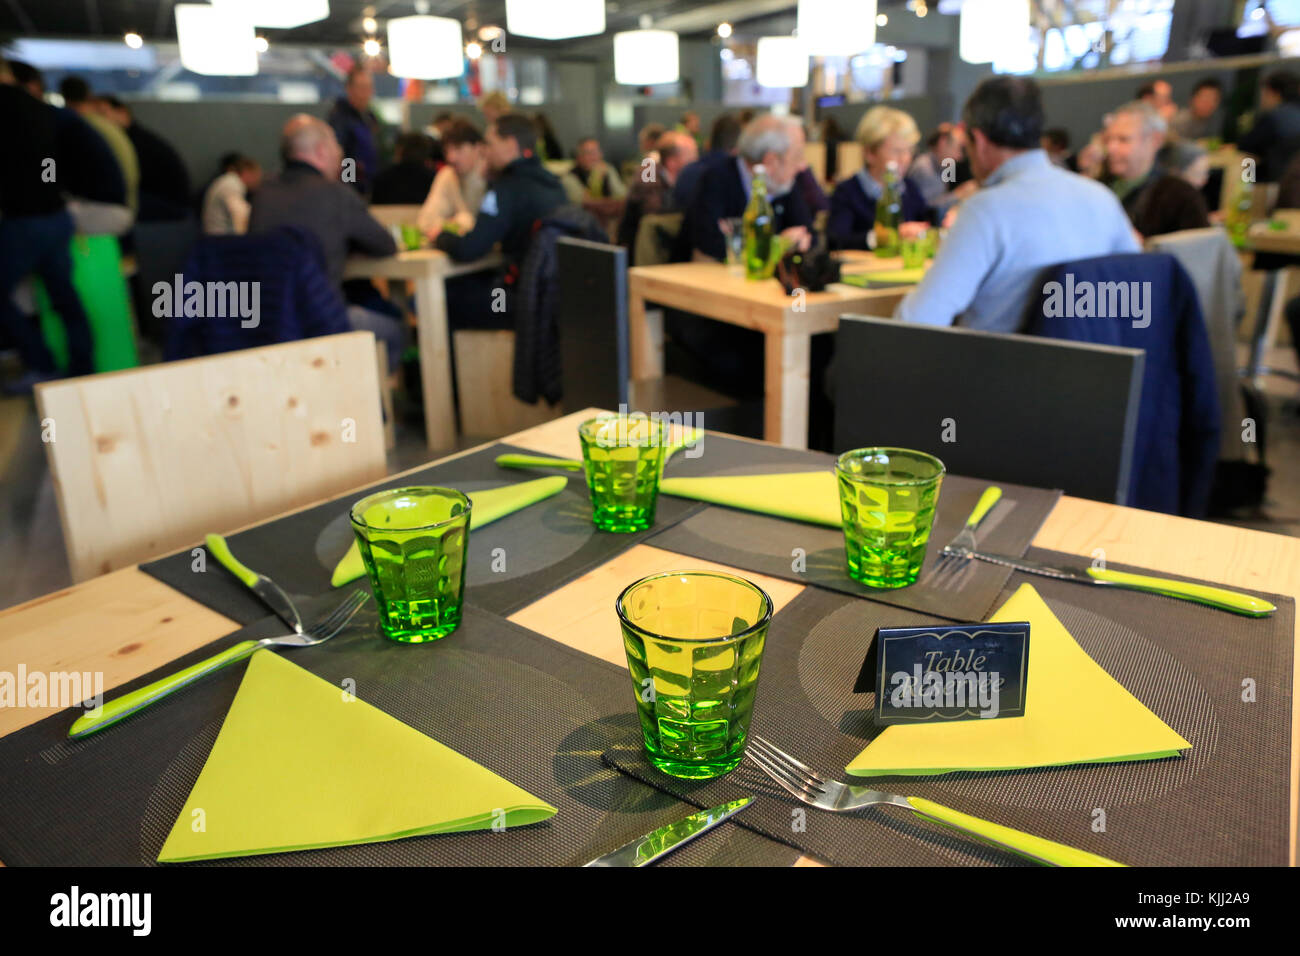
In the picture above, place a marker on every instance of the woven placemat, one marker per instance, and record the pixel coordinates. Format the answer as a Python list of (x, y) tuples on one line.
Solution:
[(511, 563), (1223, 803), (813, 554), (527, 708)]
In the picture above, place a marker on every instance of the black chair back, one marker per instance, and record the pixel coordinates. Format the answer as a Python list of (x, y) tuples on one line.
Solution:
[(1033, 411), (591, 316)]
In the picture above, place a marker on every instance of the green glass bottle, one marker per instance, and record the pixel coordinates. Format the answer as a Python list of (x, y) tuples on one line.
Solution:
[(889, 214), (760, 229)]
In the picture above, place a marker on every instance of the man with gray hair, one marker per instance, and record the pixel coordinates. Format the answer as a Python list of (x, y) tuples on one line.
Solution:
[(1133, 136), (777, 144), (310, 194)]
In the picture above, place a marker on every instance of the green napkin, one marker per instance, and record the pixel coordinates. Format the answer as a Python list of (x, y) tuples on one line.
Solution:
[(299, 764), (1075, 712), (811, 496), (488, 506), (885, 277)]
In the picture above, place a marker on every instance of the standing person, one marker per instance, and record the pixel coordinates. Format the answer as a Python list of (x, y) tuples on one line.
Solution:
[(357, 128), (226, 207), (1196, 119), (887, 137), (521, 193), (460, 185), (1028, 214), (408, 180), (35, 231), (1275, 137), (76, 94), (164, 180)]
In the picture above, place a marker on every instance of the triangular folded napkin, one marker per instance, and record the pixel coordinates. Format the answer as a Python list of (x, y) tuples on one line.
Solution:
[(811, 496), (1075, 712), (300, 764), (486, 506)]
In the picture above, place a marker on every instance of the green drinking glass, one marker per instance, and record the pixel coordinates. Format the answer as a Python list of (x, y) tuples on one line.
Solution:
[(623, 455), (694, 642), (412, 237), (887, 499), (412, 541), (915, 249)]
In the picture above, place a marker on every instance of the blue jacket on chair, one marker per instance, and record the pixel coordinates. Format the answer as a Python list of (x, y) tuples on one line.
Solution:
[(1178, 417), (295, 298)]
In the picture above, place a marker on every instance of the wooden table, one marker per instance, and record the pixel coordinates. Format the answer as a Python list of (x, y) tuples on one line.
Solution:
[(1272, 297), (428, 269), (127, 623), (788, 324)]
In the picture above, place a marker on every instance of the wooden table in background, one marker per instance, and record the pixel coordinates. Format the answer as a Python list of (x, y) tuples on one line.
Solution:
[(788, 324), (127, 623), (428, 269)]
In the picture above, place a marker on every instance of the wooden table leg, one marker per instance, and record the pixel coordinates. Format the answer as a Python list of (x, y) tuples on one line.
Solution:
[(785, 387), (646, 334), (435, 362)]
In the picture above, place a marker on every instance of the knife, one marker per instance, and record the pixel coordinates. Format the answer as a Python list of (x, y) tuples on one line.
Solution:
[(270, 593), (657, 843), (1233, 601)]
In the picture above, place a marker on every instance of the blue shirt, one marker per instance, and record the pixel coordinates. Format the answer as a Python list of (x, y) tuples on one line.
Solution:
[(1029, 215)]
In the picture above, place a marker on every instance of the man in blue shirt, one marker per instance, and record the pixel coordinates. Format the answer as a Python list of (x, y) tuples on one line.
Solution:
[(1028, 215)]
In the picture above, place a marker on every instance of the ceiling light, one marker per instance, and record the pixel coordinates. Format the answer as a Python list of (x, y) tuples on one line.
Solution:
[(555, 19), (836, 27), (214, 42), (425, 48), (133, 40), (473, 51), (782, 62), (371, 47), (261, 45), (489, 33), (645, 57), (992, 27), (280, 14), (882, 20), (370, 25), (724, 30)]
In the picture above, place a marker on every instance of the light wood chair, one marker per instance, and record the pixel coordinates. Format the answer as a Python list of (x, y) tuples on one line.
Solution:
[(485, 369), (147, 461)]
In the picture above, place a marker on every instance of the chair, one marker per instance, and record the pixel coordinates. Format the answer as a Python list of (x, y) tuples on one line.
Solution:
[(594, 344), (998, 407), (1178, 426), (161, 249), (656, 236), (147, 461)]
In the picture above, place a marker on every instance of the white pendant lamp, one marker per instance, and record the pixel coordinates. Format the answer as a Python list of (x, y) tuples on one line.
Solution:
[(990, 28), (837, 27), (425, 48), (215, 42), (782, 62), (555, 19), (645, 57), (278, 14)]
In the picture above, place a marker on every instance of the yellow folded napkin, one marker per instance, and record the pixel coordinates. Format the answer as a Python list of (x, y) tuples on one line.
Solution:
[(487, 506), (811, 496), (885, 277), (1075, 712), (298, 765)]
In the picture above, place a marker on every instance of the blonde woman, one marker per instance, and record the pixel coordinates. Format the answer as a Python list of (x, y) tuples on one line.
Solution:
[(888, 138)]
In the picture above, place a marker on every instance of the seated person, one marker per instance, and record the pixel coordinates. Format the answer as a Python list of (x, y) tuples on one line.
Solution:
[(1027, 215), (309, 193), (459, 187), (777, 144), (723, 137), (654, 194), (225, 203), (408, 180), (934, 172), (520, 193), (887, 137), (1134, 134), (1174, 202), (593, 183)]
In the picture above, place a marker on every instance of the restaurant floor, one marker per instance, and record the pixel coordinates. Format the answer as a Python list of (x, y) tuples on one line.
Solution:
[(32, 560)]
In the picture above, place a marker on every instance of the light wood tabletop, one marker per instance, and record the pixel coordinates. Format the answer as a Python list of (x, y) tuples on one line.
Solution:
[(787, 322), (429, 269), (127, 623)]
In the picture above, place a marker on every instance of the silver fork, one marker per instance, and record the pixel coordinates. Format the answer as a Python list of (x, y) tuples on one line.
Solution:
[(955, 554), (816, 791), (114, 710)]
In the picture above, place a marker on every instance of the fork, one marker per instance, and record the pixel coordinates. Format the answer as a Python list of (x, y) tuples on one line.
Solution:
[(954, 554), (114, 710), (816, 791)]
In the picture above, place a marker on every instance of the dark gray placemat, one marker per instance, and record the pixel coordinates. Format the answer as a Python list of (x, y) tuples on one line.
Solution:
[(813, 554), (512, 562), (1223, 803), (533, 711)]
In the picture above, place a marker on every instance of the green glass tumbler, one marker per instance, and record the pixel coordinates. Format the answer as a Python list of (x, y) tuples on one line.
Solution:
[(694, 643), (412, 237), (623, 456), (413, 541), (887, 500), (914, 250)]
